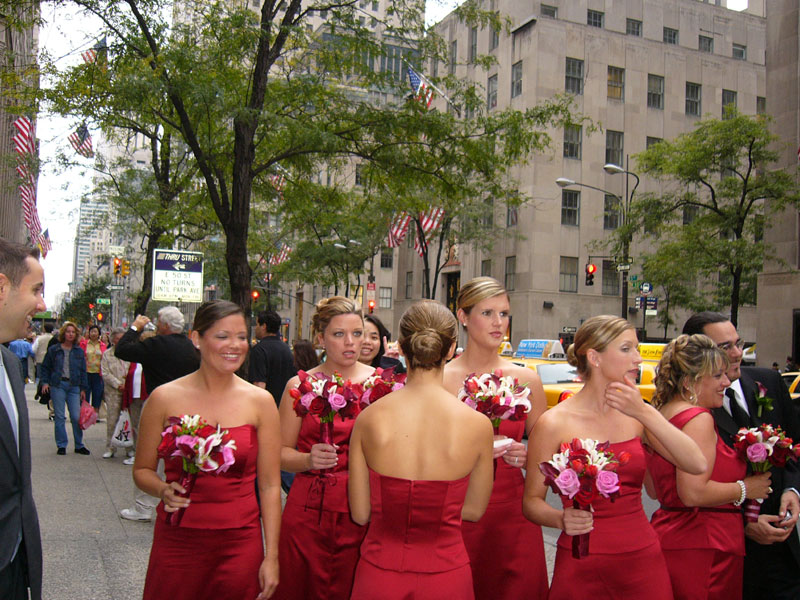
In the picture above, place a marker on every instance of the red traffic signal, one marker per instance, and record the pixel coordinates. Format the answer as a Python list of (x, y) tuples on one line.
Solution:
[(591, 269), (255, 294), (117, 264), (91, 306), (100, 316), (371, 306)]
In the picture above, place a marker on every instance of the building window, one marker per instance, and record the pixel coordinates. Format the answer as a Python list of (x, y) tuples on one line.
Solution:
[(614, 144), (411, 235), (491, 92), (693, 99), (728, 99), (494, 39), (610, 278), (594, 18), (568, 274), (573, 81), (375, 6), (616, 83), (511, 270), (409, 284), (705, 44), (488, 216), (739, 52), (512, 215), (551, 12), (761, 105), (486, 268), (651, 141), (633, 27), (387, 259), (473, 44), (385, 297), (570, 207), (359, 175), (611, 212), (670, 36), (572, 141), (516, 79), (655, 91), (453, 56), (690, 212)]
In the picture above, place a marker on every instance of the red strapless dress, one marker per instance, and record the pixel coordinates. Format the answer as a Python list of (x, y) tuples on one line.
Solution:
[(414, 549), (625, 560), (506, 550), (703, 547), (318, 548), (217, 549)]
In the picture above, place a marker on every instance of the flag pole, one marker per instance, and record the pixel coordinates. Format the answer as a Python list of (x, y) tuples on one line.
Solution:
[(435, 88)]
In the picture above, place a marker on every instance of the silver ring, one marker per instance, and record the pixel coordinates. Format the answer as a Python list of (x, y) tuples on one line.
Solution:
[(516, 459), (769, 490)]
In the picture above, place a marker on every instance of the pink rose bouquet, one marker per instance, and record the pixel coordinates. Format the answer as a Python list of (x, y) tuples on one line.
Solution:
[(499, 398), (200, 446), (380, 383), (582, 471)]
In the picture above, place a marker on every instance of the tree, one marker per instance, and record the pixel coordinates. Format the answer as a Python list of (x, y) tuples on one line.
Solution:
[(77, 309), (718, 198)]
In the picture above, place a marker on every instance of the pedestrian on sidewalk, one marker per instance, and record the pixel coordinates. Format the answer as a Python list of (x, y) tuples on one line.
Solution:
[(23, 349), (40, 346), (94, 348), (114, 371), (21, 287)]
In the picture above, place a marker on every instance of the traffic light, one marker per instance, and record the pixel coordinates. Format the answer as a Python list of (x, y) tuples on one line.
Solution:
[(117, 264), (125, 269), (255, 294), (91, 305), (590, 271), (100, 316), (371, 306)]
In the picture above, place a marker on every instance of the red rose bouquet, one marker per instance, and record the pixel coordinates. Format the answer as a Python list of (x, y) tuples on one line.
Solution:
[(200, 446), (582, 471), (499, 398), (762, 448), (380, 383)]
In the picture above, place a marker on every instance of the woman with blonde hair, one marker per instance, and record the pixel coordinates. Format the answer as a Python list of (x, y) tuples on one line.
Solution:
[(699, 522), (623, 547), (420, 462), (484, 313), (319, 545)]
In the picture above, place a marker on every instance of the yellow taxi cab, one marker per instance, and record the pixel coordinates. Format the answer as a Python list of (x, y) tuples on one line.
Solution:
[(792, 381)]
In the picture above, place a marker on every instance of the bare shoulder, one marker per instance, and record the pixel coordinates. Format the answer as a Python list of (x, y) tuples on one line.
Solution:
[(455, 372), (260, 398)]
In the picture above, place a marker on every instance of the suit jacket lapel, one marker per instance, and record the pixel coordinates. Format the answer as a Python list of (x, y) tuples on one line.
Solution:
[(725, 425), (750, 389), (6, 432)]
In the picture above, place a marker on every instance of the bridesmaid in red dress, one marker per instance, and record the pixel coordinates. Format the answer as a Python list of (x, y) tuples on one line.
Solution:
[(319, 542), (699, 523), (484, 312), (420, 462), (625, 559), (217, 549)]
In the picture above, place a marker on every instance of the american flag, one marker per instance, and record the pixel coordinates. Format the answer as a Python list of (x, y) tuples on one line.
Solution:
[(44, 242), (90, 56), (429, 222), (82, 141), (278, 181), (25, 147), (398, 229), (24, 143), (281, 256), (422, 90)]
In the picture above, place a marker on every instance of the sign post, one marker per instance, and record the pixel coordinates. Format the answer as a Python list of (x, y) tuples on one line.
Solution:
[(177, 276)]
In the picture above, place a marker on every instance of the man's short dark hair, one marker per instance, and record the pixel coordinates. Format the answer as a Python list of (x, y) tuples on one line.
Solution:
[(12, 260), (271, 319), (48, 328), (697, 322)]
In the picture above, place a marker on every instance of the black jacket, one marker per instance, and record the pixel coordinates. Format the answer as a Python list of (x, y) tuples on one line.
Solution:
[(272, 363), (164, 358)]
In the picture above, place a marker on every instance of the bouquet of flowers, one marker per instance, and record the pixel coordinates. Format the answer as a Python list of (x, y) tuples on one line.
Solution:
[(200, 446), (762, 448), (380, 383), (499, 398), (581, 471)]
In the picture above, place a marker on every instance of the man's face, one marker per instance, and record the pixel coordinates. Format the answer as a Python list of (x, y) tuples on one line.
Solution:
[(261, 331), (18, 304), (725, 336)]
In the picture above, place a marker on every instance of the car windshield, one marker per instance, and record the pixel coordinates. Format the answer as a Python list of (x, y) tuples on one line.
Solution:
[(558, 373)]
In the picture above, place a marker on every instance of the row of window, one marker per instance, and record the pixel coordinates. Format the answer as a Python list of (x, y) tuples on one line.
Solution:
[(596, 18), (568, 276), (612, 210)]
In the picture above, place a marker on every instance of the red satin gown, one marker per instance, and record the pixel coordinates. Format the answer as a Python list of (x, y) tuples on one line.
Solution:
[(414, 549), (625, 560), (703, 547), (217, 549), (506, 550), (319, 542)]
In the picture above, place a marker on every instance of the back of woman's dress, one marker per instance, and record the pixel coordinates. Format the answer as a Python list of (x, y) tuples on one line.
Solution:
[(503, 531), (414, 549), (625, 559), (703, 547), (217, 549)]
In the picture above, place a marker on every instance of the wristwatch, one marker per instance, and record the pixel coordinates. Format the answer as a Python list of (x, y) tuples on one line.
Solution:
[(134, 328)]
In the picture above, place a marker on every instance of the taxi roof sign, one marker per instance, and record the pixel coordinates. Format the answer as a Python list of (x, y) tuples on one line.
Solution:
[(651, 351), (540, 349)]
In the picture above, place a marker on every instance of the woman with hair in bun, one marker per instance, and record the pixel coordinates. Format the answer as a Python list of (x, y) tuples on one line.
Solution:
[(624, 558), (319, 544), (699, 523), (484, 313), (420, 462)]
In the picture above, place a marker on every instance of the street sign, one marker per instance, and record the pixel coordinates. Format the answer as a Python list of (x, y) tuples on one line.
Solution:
[(646, 303), (371, 286), (103, 300), (177, 276), (633, 277), (116, 250), (621, 268), (115, 287), (645, 288)]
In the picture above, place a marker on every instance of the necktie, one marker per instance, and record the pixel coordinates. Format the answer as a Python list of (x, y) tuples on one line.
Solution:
[(8, 403), (740, 417)]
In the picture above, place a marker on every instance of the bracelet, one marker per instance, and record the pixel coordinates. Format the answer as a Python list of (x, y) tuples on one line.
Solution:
[(741, 499)]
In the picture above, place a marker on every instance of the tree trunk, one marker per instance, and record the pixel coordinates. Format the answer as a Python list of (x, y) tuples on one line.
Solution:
[(143, 297), (735, 292)]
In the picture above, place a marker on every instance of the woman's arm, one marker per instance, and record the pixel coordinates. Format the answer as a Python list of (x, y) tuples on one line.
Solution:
[(481, 477), (46, 369), (322, 456), (358, 479), (269, 488)]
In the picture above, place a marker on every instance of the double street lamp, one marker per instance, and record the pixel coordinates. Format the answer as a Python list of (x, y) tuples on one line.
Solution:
[(625, 206)]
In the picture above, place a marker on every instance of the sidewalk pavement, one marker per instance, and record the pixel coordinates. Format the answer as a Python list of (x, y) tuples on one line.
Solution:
[(90, 552)]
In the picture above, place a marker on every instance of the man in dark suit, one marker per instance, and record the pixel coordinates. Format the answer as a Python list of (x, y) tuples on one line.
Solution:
[(772, 548), (21, 288)]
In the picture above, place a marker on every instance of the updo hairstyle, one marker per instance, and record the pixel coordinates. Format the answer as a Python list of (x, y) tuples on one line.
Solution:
[(427, 332), (212, 311), (685, 360), (478, 289), (595, 333), (327, 308)]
